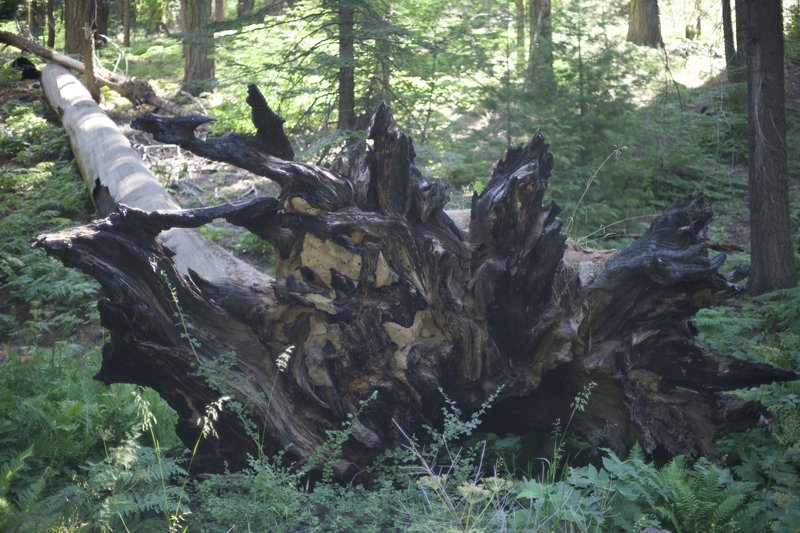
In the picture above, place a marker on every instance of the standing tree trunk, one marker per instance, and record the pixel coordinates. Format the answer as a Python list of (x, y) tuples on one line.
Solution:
[(219, 10), (644, 24), (77, 13), (198, 46), (126, 22), (540, 51), (773, 265), (727, 35), (347, 67), (244, 7), (101, 17), (51, 24)]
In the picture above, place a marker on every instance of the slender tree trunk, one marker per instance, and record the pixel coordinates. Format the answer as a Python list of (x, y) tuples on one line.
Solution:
[(347, 100), (540, 51), (126, 22), (198, 46), (51, 24), (101, 16), (644, 24), (219, 10), (727, 33), (772, 258)]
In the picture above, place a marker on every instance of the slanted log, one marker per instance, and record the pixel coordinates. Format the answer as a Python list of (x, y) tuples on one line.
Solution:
[(135, 90), (382, 298), (114, 173)]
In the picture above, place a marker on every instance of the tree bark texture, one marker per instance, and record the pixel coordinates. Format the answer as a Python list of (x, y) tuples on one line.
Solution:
[(382, 304), (727, 35), (89, 63), (219, 10), (77, 13), (51, 24), (126, 22), (198, 46), (644, 23), (100, 19), (773, 265)]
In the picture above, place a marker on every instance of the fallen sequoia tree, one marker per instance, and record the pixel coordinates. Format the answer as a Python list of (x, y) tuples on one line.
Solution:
[(382, 305)]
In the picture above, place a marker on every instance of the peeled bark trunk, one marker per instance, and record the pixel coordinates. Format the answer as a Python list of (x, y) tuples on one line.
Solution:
[(114, 173), (382, 304)]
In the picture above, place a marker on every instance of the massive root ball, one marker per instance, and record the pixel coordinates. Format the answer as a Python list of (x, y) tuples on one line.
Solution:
[(387, 305)]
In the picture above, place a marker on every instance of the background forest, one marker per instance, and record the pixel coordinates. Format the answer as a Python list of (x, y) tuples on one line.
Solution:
[(631, 127)]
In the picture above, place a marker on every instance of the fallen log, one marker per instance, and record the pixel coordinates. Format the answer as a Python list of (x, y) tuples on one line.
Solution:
[(114, 173), (135, 90), (385, 306)]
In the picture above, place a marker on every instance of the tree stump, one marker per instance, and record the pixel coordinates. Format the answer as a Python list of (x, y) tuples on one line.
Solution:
[(386, 305)]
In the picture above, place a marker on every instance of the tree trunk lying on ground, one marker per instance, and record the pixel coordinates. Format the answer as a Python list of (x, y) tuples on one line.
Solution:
[(114, 173), (385, 305)]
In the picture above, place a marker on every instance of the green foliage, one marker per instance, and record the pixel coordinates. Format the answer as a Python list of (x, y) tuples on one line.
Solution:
[(251, 245), (728, 329), (781, 310), (793, 35), (765, 328), (34, 199), (132, 489), (29, 138), (50, 400)]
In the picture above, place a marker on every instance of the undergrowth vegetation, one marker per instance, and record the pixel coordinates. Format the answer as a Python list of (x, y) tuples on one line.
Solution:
[(78, 455)]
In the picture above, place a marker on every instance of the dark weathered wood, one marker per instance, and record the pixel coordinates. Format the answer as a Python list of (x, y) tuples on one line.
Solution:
[(381, 296)]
